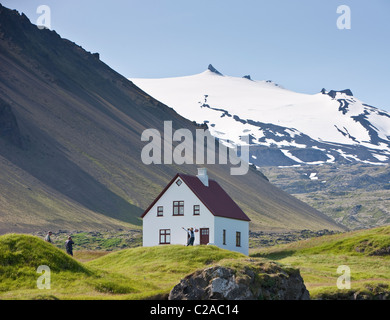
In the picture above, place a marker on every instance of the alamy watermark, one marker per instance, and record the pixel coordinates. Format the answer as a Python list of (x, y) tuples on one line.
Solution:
[(344, 20), (344, 281), (44, 20), (43, 282), (161, 150)]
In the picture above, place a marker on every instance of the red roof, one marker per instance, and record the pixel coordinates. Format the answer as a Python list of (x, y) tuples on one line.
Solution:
[(213, 197)]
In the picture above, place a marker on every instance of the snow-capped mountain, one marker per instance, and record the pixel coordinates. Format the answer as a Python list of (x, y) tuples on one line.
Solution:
[(285, 127)]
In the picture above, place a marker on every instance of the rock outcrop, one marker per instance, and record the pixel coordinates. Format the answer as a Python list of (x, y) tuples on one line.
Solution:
[(253, 281), (212, 69), (333, 93)]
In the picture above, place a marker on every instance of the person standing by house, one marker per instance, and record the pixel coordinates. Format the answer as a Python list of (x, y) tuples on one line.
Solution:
[(48, 237), (69, 246), (191, 236)]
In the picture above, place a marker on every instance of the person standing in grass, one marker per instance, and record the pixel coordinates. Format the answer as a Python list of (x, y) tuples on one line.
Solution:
[(69, 246), (48, 237), (191, 236)]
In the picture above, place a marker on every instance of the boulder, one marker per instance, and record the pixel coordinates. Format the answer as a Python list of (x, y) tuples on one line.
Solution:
[(255, 281)]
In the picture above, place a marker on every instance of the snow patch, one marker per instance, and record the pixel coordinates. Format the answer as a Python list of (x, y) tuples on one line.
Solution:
[(380, 157), (313, 176)]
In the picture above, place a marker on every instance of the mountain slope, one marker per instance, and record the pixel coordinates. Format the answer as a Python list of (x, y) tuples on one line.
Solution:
[(285, 128), (357, 196), (70, 144)]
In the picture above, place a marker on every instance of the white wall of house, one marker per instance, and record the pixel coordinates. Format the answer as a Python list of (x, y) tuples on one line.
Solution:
[(231, 227), (152, 224)]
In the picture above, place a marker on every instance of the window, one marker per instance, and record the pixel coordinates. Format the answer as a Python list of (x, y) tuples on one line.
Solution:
[(224, 237), (238, 239), (178, 182), (178, 208), (160, 211), (165, 236), (196, 210)]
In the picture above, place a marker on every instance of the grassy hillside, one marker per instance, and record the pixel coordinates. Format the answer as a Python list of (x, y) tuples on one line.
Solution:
[(144, 273), (367, 253), (138, 273), (71, 158), (127, 274)]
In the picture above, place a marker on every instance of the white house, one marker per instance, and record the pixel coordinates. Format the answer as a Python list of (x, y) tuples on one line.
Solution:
[(197, 202)]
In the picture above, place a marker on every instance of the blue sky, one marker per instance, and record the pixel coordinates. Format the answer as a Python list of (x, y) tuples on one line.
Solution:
[(294, 43)]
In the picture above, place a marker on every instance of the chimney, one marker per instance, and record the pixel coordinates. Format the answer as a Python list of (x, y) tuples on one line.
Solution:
[(202, 175)]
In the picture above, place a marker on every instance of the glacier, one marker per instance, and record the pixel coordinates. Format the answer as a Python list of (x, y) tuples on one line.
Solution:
[(286, 128)]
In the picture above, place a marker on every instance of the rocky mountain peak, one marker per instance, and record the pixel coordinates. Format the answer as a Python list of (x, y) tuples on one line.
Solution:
[(212, 69)]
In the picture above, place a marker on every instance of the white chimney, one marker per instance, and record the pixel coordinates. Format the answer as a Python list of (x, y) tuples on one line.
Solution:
[(202, 175)]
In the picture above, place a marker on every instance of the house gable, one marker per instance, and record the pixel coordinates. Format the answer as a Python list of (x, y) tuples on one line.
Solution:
[(159, 196), (177, 199)]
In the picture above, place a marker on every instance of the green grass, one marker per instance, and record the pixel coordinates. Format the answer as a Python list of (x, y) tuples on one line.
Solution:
[(364, 252), (136, 273), (147, 273), (98, 240), (22, 251), (21, 255), (155, 270), (83, 240)]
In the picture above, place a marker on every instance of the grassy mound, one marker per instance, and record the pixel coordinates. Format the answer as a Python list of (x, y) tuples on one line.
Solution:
[(153, 271), (25, 251), (20, 257), (365, 252)]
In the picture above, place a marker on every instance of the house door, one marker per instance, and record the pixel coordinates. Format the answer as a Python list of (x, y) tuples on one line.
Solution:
[(204, 235)]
